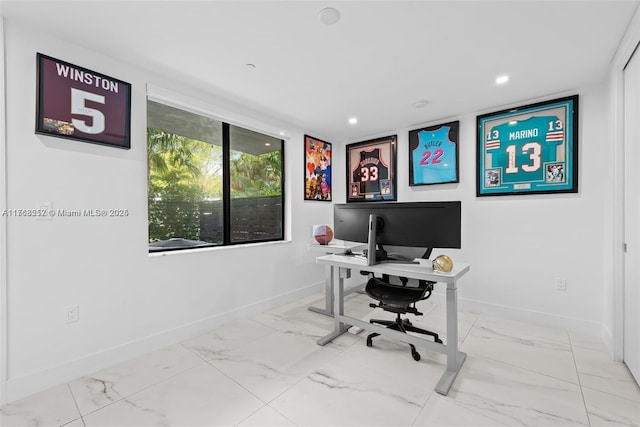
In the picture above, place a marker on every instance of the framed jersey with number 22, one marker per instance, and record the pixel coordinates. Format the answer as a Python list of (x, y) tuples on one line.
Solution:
[(531, 149), (433, 154)]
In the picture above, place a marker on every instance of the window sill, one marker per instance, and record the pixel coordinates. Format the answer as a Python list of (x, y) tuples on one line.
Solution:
[(216, 248)]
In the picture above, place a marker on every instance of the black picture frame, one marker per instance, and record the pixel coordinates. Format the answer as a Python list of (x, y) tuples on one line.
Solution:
[(79, 104), (532, 149), (317, 169), (434, 154), (371, 170)]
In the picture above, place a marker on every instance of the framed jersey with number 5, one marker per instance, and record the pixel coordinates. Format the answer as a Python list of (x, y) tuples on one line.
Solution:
[(371, 170), (77, 103), (531, 149)]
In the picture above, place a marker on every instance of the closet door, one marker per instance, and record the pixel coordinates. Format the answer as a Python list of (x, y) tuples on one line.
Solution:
[(632, 215)]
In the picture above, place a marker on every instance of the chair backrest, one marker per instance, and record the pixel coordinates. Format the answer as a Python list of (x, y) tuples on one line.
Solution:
[(396, 298)]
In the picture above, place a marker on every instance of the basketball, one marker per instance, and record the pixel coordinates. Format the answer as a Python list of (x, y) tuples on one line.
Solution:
[(323, 234)]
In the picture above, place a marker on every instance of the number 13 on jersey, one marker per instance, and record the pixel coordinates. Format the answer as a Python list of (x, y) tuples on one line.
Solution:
[(528, 150)]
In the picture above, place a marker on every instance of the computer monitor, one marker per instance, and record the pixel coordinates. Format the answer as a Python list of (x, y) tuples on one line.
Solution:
[(425, 225)]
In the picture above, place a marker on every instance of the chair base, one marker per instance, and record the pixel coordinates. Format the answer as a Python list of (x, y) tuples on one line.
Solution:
[(402, 325)]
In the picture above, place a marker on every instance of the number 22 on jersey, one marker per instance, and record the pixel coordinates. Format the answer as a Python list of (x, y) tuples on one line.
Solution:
[(426, 157)]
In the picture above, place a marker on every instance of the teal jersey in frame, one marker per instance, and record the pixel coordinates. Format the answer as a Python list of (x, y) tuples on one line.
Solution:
[(434, 160), (529, 149), (523, 148), (433, 154)]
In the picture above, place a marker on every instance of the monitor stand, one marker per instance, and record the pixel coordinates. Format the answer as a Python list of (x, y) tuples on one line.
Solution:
[(371, 253), (395, 258), (427, 253), (381, 254)]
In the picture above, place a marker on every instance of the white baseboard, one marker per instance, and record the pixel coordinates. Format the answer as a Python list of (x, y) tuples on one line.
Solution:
[(585, 327), (26, 385), (607, 337)]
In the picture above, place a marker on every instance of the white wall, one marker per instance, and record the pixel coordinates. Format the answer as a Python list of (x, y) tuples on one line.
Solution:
[(130, 302)]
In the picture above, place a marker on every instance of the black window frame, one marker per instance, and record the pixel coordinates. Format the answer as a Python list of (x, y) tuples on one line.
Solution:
[(226, 192)]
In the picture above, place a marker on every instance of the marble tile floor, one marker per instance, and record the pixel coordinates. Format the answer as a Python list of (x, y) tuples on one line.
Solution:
[(268, 371)]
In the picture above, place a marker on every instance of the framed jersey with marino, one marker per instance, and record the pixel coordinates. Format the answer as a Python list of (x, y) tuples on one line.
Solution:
[(531, 149), (371, 170)]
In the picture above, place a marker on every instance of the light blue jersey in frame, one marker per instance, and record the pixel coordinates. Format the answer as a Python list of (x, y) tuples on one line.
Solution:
[(434, 160)]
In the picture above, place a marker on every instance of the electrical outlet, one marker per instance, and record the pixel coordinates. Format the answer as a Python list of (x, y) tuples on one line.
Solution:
[(73, 313), (561, 284)]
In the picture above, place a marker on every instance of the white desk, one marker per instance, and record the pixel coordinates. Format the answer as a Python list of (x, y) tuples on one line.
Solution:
[(422, 271)]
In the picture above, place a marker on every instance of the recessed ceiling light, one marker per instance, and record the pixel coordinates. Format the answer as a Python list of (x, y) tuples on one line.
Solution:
[(353, 120), (502, 79), (329, 16), (420, 103)]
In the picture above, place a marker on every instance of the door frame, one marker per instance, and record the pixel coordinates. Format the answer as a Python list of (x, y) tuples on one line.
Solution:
[(625, 51)]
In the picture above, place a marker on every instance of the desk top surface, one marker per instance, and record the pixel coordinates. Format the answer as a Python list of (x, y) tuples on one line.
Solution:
[(336, 247), (421, 271)]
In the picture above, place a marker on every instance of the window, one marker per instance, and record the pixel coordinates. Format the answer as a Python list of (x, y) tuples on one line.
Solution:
[(211, 183)]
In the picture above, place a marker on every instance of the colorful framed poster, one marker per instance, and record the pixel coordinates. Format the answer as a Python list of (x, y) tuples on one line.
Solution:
[(531, 149), (433, 154), (80, 104), (371, 170), (317, 169)]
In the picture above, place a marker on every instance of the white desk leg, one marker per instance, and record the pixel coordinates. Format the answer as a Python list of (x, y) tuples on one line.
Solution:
[(455, 358), (328, 294), (338, 306)]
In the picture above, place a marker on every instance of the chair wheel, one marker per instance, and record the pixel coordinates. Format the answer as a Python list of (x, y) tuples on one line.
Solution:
[(415, 355), (369, 342)]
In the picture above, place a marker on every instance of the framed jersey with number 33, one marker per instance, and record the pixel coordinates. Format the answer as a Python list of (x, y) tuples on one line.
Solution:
[(531, 149), (371, 170)]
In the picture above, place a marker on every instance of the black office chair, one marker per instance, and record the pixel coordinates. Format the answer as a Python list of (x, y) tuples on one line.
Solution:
[(399, 299)]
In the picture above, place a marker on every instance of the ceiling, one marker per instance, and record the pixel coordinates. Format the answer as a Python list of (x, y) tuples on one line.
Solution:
[(374, 63)]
